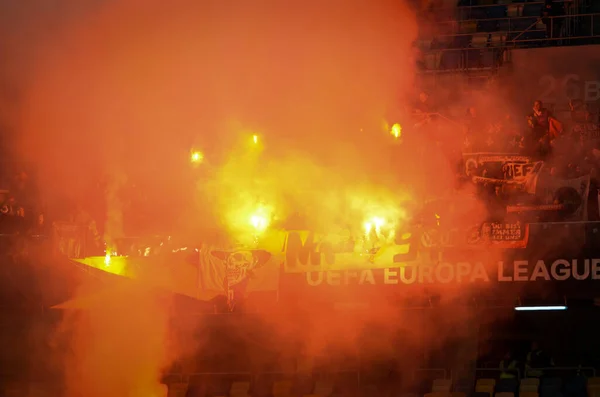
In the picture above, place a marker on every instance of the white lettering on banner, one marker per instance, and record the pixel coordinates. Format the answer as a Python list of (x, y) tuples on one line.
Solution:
[(461, 272), (568, 87)]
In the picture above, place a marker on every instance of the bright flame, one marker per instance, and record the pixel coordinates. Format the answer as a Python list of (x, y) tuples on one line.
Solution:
[(197, 157), (255, 139), (107, 259), (259, 221), (374, 223), (396, 130)]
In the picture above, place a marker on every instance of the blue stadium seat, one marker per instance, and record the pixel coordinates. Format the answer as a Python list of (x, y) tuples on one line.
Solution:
[(507, 386), (575, 387), (497, 11), (532, 10), (450, 60), (550, 387)]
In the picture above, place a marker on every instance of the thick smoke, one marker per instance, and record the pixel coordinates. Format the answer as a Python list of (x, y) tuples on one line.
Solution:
[(128, 90)]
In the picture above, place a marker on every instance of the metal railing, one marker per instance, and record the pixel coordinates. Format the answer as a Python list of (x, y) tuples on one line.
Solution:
[(440, 373), (465, 9), (467, 51), (560, 27)]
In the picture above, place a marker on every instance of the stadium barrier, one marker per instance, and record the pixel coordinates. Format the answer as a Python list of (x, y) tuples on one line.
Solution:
[(430, 374)]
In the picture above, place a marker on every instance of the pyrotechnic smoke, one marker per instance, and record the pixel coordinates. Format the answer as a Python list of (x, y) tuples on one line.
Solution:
[(314, 80), (117, 342)]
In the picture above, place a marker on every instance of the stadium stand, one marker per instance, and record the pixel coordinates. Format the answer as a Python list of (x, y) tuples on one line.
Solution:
[(481, 34)]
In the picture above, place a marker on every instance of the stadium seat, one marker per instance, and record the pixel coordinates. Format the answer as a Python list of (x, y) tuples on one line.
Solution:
[(497, 39), (528, 394), (593, 387), (507, 386), (505, 394), (458, 394), (481, 394), (177, 389), (239, 389), (468, 27), (485, 386), (441, 385), (282, 388), (438, 394), (514, 10), (464, 385), (551, 383), (480, 40), (529, 385), (575, 387)]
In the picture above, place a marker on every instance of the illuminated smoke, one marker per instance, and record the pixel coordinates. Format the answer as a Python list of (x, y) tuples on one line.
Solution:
[(136, 86)]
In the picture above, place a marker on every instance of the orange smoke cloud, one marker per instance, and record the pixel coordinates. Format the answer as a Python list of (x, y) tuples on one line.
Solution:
[(132, 88)]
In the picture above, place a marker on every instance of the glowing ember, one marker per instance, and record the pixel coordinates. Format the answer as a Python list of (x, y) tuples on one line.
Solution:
[(396, 130), (196, 157)]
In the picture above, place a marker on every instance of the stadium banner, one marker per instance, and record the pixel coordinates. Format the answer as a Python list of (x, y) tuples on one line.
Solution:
[(306, 251), (237, 272), (476, 161), (521, 172), (550, 75), (522, 271)]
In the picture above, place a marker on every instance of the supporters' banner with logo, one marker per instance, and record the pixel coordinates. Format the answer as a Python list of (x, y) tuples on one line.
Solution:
[(237, 272), (503, 169)]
